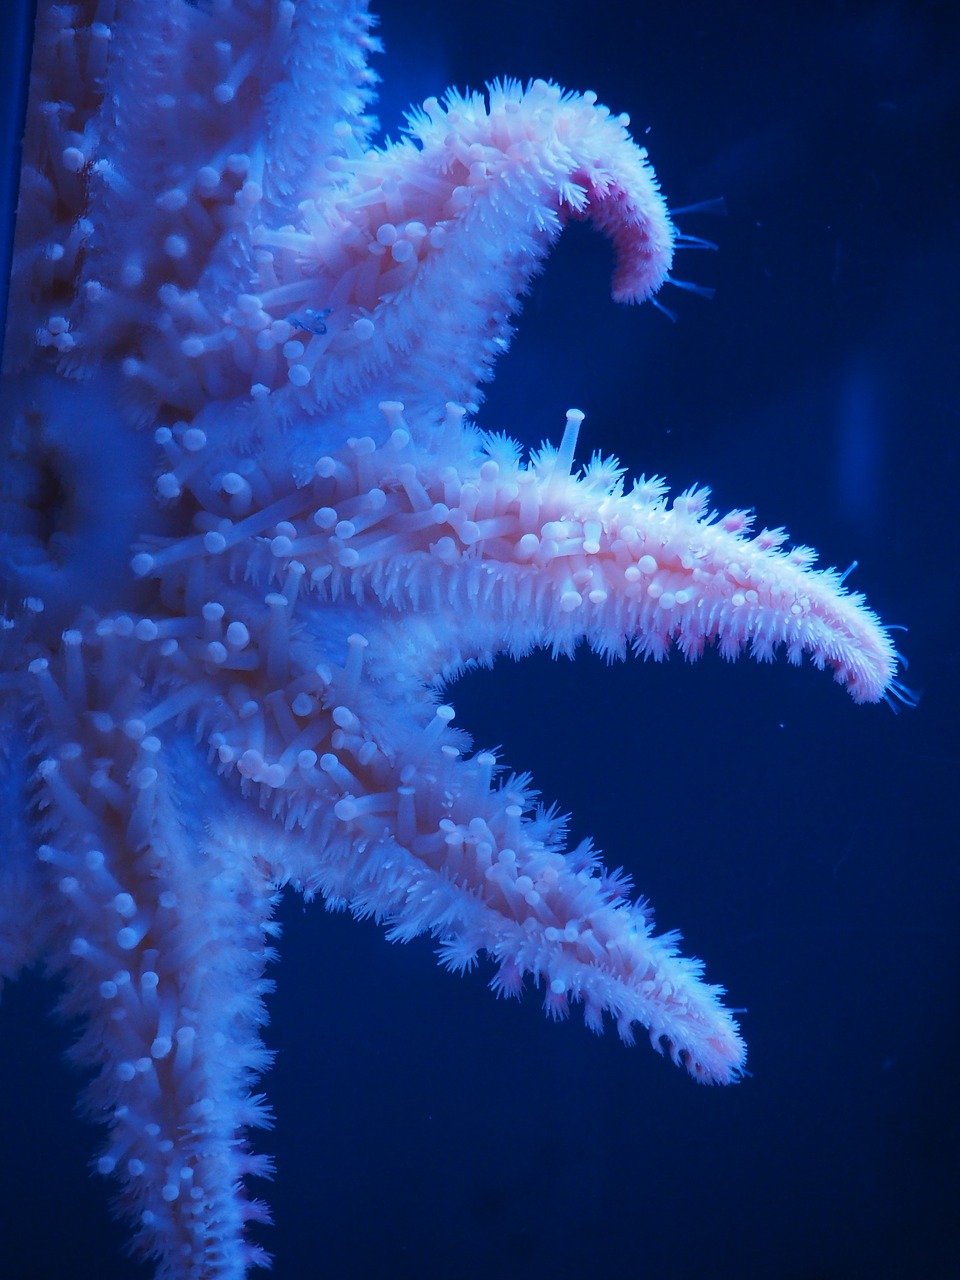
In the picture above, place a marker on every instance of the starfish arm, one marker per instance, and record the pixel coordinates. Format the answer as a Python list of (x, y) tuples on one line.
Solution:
[(532, 555), (425, 842), (425, 255), (537, 556), (399, 279), (405, 264), (159, 916)]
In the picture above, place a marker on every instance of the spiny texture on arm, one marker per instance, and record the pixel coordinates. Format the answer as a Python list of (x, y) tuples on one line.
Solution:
[(402, 266), (534, 554), (479, 866), (158, 914), (159, 135)]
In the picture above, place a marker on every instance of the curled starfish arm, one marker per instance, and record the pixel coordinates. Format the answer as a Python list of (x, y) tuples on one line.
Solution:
[(443, 231), (206, 291), (400, 279)]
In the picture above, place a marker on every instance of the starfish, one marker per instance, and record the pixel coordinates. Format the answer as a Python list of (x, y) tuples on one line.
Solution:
[(251, 534)]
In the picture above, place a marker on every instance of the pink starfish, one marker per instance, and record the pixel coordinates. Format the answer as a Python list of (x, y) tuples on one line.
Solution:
[(227, 640)]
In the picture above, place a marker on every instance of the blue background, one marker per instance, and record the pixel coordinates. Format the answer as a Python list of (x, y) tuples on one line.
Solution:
[(805, 846)]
